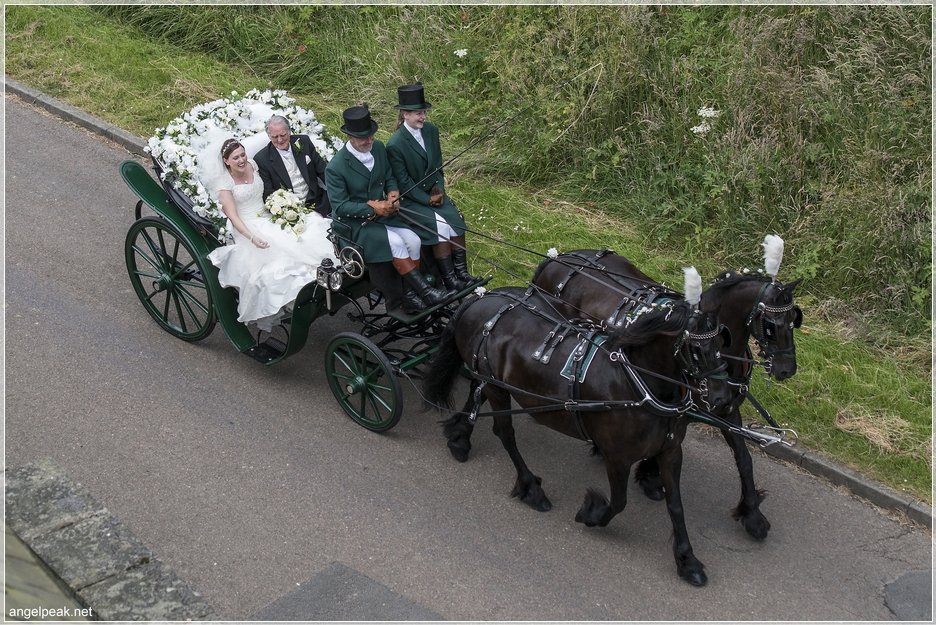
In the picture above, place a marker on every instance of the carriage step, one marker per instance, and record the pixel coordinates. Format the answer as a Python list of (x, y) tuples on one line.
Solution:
[(268, 350)]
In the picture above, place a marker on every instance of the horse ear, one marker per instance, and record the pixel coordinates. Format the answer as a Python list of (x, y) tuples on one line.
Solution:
[(792, 285)]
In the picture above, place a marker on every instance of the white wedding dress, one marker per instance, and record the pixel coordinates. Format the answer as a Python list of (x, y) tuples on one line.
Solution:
[(268, 280)]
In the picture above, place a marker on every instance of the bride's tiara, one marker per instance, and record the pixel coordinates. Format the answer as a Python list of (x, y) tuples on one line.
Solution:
[(229, 146)]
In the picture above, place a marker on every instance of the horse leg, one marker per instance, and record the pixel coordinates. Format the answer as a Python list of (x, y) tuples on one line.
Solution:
[(457, 428), (596, 509), (687, 565), (527, 488), (748, 510), (647, 475)]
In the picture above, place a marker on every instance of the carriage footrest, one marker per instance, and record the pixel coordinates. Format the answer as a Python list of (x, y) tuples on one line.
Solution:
[(268, 350)]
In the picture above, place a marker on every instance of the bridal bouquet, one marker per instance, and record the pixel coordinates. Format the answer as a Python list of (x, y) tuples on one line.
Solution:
[(189, 146), (286, 210)]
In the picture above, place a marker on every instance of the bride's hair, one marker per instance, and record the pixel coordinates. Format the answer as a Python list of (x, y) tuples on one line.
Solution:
[(229, 146)]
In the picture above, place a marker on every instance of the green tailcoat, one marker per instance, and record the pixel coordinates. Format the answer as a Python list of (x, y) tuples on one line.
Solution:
[(350, 186), (410, 165)]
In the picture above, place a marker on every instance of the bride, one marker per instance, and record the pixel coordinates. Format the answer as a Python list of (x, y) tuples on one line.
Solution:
[(266, 264)]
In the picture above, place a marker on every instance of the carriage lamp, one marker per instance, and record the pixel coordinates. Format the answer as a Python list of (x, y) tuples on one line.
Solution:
[(328, 276)]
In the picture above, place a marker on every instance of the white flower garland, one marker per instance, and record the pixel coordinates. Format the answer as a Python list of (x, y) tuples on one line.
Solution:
[(190, 145)]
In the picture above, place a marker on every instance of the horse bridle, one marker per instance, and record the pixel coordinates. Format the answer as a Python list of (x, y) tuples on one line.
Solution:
[(692, 363), (764, 329)]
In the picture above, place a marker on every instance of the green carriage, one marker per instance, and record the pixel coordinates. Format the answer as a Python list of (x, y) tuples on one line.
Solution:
[(167, 261)]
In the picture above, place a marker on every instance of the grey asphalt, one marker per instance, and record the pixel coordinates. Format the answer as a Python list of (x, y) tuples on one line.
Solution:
[(253, 486)]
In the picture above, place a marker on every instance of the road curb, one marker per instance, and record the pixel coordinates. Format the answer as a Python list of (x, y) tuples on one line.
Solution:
[(78, 117), (813, 462), (875, 492), (107, 568)]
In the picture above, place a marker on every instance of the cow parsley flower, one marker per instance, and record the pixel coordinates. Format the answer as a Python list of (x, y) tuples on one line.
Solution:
[(461, 53)]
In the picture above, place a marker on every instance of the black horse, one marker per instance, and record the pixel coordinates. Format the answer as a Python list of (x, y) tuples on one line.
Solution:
[(630, 405), (603, 284)]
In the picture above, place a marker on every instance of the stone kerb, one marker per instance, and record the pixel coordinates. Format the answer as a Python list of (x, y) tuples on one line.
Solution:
[(107, 568)]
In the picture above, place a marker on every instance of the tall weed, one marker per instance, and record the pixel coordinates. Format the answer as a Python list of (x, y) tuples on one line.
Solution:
[(822, 134)]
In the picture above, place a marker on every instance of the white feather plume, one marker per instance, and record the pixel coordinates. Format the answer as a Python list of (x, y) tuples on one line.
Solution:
[(773, 254), (693, 288)]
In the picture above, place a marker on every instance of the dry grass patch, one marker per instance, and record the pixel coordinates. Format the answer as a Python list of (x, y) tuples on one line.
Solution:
[(887, 432)]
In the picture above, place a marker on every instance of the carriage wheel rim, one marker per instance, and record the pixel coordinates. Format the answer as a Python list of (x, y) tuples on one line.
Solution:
[(362, 380), (167, 277)]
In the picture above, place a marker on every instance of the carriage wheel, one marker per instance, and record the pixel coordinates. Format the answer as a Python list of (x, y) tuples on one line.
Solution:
[(168, 277), (363, 382)]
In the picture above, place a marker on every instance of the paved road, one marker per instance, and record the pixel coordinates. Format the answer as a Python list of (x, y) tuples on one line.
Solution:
[(250, 483)]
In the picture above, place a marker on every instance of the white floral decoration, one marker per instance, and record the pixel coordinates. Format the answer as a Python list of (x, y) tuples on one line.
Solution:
[(479, 291), (189, 145), (553, 253)]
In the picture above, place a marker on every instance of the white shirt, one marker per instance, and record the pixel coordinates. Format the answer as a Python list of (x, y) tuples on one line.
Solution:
[(366, 158), (417, 134), (299, 185)]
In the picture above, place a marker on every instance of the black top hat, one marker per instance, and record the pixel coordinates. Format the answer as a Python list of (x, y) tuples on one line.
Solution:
[(411, 98), (358, 122)]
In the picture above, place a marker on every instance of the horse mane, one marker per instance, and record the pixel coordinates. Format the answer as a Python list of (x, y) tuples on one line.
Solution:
[(670, 319), (540, 267), (731, 278)]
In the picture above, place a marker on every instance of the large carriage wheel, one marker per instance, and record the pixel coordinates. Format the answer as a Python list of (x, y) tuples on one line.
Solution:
[(168, 277), (362, 379)]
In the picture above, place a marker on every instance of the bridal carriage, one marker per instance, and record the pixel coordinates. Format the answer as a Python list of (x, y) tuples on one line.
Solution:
[(167, 252)]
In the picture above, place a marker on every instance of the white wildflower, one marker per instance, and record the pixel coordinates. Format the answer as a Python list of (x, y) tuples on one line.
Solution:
[(461, 53), (707, 111), (701, 129)]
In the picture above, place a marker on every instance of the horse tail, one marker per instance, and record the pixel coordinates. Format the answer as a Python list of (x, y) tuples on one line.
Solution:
[(443, 367)]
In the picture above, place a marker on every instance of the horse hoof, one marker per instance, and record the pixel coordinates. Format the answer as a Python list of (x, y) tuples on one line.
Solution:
[(654, 492), (539, 502), (696, 578), (757, 528), (459, 452)]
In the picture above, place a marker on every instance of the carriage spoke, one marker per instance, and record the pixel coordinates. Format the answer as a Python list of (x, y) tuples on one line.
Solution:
[(191, 298)]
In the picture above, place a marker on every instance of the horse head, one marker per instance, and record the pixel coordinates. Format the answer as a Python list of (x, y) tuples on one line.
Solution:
[(759, 306), (701, 355), (675, 339), (771, 323)]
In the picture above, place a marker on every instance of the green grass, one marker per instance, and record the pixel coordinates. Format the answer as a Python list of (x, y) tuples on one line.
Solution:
[(640, 186)]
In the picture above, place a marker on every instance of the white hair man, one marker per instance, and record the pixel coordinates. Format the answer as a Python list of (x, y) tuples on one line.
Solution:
[(290, 161)]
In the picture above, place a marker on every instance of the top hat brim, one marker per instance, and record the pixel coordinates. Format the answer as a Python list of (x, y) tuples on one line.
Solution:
[(360, 133)]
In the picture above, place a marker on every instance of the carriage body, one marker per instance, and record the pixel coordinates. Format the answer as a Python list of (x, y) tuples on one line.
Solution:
[(167, 262)]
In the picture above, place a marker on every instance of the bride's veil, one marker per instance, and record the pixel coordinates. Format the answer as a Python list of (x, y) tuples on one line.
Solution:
[(212, 172)]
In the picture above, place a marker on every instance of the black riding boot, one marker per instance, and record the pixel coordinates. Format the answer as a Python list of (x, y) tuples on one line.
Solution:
[(430, 295), (412, 304), (447, 271), (460, 264)]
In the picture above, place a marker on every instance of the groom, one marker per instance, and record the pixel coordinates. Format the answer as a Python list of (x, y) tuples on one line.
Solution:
[(290, 161)]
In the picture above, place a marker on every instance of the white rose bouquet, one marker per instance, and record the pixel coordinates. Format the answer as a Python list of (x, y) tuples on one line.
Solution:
[(286, 210)]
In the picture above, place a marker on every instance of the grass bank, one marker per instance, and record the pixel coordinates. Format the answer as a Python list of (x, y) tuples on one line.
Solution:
[(657, 193)]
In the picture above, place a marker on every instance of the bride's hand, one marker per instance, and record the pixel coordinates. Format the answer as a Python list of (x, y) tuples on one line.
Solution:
[(259, 242)]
